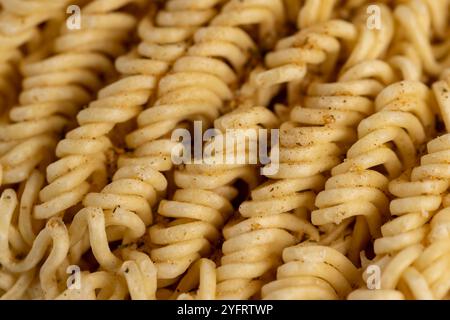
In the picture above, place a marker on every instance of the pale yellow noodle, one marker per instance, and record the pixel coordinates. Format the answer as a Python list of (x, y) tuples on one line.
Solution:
[(83, 152), (312, 272), (19, 21), (311, 143), (54, 237), (55, 88), (192, 91)]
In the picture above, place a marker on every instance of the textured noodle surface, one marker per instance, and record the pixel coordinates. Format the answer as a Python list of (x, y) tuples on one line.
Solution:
[(225, 149)]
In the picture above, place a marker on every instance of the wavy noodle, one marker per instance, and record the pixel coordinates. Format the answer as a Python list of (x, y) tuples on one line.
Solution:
[(417, 268), (419, 197), (404, 58), (352, 201), (250, 94), (313, 12), (55, 88), (201, 274), (312, 272), (140, 275), (83, 152), (22, 233), (201, 207), (180, 99), (14, 288), (310, 12), (312, 46), (414, 272), (311, 143), (428, 19), (100, 285), (19, 25), (411, 271), (54, 237), (386, 146)]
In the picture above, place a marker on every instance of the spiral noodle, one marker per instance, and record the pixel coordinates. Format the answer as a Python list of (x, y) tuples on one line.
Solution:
[(180, 98), (428, 18), (404, 59), (83, 150), (414, 254), (386, 146), (306, 14), (352, 202), (312, 46), (311, 143), (372, 43), (126, 204), (419, 197), (55, 88), (417, 268), (253, 244), (312, 272), (410, 270), (415, 272), (202, 206), (203, 79), (19, 21), (142, 178)]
